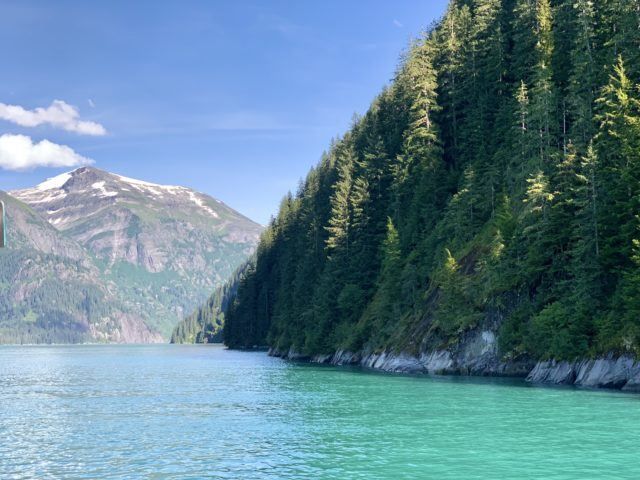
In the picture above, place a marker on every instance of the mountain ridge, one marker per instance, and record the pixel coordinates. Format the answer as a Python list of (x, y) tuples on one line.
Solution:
[(161, 248)]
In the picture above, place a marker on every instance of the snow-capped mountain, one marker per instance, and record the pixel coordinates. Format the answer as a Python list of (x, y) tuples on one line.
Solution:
[(164, 247)]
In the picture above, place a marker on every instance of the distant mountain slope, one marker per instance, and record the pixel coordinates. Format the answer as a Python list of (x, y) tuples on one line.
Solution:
[(206, 323), (51, 290), (164, 247)]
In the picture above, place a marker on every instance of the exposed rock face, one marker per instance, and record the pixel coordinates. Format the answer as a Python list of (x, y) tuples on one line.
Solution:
[(633, 385), (165, 247), (130, 330), (51, 290), (552, 372), (610, 372), (478, 354)]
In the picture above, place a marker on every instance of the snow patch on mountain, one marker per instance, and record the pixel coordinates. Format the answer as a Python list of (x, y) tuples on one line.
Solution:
[(201, 204), (33, 197), (54, 182), (100, 186), (59, 197), (133, 181)]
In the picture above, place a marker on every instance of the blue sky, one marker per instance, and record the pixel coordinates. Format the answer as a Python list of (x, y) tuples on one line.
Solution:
[(236, 99)]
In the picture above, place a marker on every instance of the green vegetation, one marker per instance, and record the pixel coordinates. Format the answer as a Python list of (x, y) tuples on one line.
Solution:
[(494, 184), (206, 323), (48, 287)]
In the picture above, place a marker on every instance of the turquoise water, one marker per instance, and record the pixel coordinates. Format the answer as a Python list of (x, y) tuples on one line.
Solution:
[(205, 412)]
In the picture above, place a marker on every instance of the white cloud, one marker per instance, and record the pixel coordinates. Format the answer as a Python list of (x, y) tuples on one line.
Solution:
[(18, 152), (59, 114), (397, 23)]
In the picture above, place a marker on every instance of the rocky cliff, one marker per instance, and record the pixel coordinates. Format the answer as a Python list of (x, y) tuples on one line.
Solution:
[(477, 354)]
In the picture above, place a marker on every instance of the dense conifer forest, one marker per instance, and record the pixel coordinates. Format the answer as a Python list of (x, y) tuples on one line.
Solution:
[(495, 183), (205, 324)]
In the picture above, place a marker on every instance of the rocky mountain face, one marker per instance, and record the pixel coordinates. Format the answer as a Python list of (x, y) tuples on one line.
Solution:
[(52, 291), (97, 256)]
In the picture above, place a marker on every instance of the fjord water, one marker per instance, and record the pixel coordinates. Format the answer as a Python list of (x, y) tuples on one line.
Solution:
[(205, 412)]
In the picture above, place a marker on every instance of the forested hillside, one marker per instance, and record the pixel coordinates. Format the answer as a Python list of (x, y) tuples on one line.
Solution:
[(205, 324), (494, 184), (51, 290)]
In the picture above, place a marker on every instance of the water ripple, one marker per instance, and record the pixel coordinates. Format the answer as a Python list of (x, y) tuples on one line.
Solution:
[(191, 412)]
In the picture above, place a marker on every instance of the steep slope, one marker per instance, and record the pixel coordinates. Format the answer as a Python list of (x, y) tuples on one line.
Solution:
[(483, 214), (206, 323), (166, 247), (51, 290)]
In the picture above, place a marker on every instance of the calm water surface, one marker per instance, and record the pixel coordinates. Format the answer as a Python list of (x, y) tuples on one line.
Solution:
[(204, 412)]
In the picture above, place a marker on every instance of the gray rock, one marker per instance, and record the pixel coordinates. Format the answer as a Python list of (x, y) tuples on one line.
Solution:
[(293, 354), (552, 372), (321, 358), (477, 354), (437, 362), (606, 372), (344, 357), (633, 385), (389, 362)]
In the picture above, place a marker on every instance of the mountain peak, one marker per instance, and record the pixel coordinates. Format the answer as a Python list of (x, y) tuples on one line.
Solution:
[(68, 198), (88, 171), (84, 179), (59, 181), (83, 175)]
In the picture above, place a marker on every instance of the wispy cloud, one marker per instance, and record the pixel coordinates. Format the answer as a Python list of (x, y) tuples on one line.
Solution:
[(19, 152), (282, 25), (59, 114), (397, 23), (245, 120), (131, 124)]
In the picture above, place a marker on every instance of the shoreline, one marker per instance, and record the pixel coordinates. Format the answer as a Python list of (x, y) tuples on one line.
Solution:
[(609, 372), (616, 373)]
